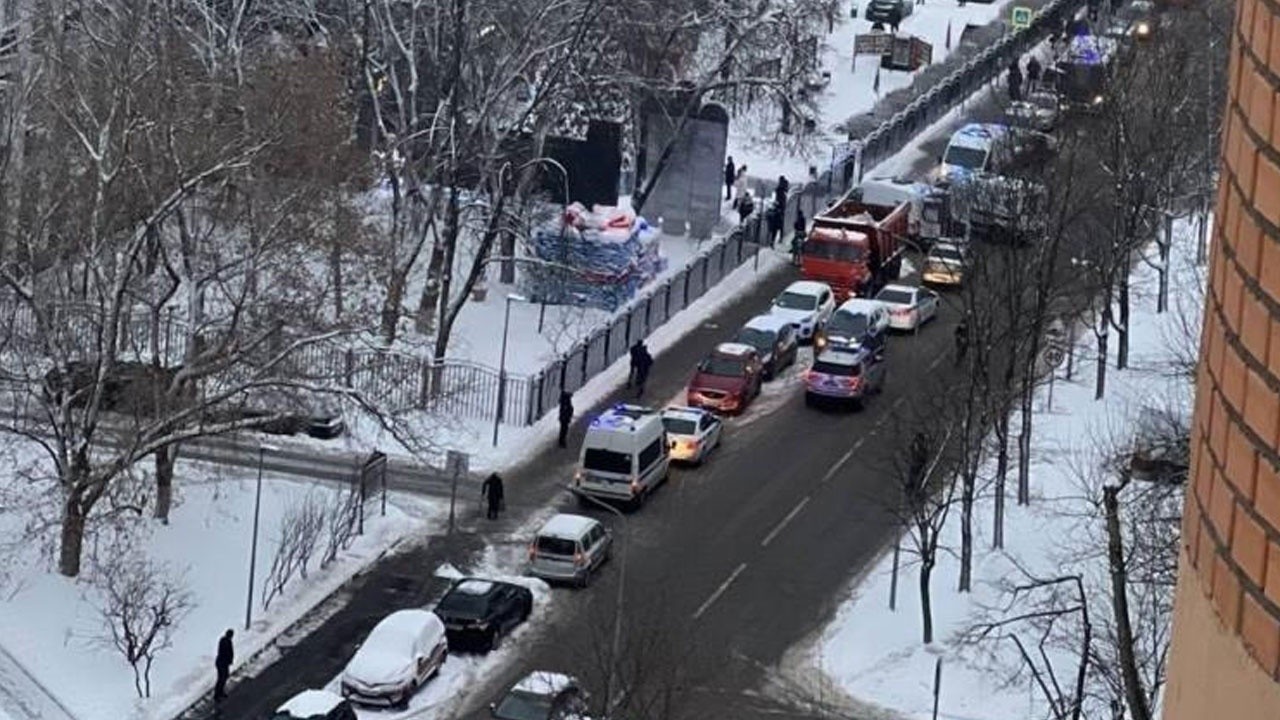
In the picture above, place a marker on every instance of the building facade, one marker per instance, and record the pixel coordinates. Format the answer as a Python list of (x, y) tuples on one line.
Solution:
[(1225, 657)]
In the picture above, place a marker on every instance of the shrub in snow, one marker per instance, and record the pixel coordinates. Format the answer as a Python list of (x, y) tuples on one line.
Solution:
[(140, 604)]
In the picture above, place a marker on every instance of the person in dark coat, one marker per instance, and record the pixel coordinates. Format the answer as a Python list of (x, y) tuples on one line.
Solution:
[(730, 174), (644, 362), (566, 416), (780, 195), (1015, 82), (797, 240), (746, 206), (893, 24), (636, 348), (1033, 74), (222, 663), (773, 220), (491, 490), (962, 340)]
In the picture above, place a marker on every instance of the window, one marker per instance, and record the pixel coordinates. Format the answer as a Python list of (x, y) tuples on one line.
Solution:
[(706, 422), (651, 454), (679, 426), (761, 340), (795, 300), (848, 324), (897, 297), (523, 706), (784, 335), (556, 546), (610, 461), (724, 366), (945, 252), (825, 250), (965, 157), (841, 369)]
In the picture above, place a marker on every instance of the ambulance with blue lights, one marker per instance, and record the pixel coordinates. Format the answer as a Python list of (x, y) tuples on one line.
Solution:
[(624, 456)]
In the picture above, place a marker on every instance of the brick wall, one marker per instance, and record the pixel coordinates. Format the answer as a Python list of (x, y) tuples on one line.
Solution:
[(1232, 522)]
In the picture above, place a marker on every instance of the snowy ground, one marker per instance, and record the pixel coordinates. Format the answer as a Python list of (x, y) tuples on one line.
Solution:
[(850, 91), (51, 623), (875, 656)]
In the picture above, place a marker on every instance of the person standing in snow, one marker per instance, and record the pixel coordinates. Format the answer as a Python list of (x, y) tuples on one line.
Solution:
[(745, 206), (780, 195), (740, 184), (1015, 82), (491, 490), (635, 350), (566, 416), (773, 223), (730, 174), (222, 664), (1033, 74), (797, 240), (643, 365)]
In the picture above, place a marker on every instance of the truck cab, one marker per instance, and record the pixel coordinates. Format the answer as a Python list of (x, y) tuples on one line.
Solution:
[(855, 246)]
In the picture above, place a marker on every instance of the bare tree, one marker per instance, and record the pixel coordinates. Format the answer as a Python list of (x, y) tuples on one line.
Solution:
[(297, 537), (140, 604)]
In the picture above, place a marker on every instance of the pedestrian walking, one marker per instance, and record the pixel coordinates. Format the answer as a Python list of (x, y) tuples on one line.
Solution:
[(730, 174), (636, 348), (222, 663), (491, 491), (746, 206), (1015, 82), (740, 184), (643, 365), (566, 416), (962, 341), (1033, 74), (797, 240), (773, 220), (893, 24), (780, 194)]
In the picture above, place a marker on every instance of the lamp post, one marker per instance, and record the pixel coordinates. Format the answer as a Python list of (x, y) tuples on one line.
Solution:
[(502, 365), (253, 547), (616, 646)]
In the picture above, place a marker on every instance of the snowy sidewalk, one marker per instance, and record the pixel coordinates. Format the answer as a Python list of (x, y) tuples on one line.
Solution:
[(22, 697)]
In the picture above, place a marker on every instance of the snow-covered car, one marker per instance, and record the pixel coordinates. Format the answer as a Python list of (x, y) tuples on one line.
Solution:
[(542, 695), (945, 264), (402, 652), (909, 307), (807, 304), (479, 613), (315, 705), (774, 338), (692, 433), (1038, 112)]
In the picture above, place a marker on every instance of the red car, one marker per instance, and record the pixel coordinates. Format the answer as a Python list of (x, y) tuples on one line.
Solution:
[(727, 379)]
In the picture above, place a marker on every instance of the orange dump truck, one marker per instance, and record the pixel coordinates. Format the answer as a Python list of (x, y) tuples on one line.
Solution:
[(855, 247)]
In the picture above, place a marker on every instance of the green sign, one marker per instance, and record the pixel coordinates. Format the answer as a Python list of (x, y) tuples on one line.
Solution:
[(1021, 17)]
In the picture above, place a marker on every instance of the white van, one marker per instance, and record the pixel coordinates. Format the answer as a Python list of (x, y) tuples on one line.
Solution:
[(969, 151), (624, 456)]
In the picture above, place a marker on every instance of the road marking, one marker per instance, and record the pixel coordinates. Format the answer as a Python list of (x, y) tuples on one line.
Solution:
[(790, 516), (839, 464), (720, 590), (935, 362)]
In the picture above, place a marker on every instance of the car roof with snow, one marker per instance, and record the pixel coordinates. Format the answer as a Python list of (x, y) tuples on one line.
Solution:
[(859, 306), (474, 586), (841, 356), (807, 287), (398, 628), (310, 703), (767, 323), (899, 288), (623, 417), (978, 135), (542, 682), (685, 413), (734, 349), (567, 526)]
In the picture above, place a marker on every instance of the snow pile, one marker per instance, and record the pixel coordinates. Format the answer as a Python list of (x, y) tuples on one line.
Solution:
[(597, 258)]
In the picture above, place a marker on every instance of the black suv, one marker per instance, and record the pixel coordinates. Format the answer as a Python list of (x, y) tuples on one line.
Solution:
[(477, 613), (889, 12)]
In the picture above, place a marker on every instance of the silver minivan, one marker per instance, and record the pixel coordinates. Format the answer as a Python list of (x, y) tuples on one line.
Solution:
[(569, 548)]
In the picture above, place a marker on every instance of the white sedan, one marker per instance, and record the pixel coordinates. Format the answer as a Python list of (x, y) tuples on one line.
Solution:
[(807, 304), (401, 653), (909, 307), (692, 433)]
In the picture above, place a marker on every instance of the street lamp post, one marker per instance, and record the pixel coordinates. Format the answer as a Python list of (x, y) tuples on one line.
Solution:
[(253, 547), (502, 365), (616, 647)]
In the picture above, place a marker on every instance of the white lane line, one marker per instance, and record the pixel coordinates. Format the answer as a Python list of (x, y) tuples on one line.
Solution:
[(719, 591), (935, 362), (790, 516), (839, 464)]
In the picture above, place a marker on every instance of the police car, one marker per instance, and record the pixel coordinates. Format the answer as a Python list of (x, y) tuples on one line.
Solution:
[(692, 433)]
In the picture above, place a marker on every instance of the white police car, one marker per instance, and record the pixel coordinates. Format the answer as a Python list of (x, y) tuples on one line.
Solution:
[(692, 433)]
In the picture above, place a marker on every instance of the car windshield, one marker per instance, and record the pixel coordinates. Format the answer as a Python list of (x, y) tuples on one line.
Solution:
[(945, 253), (897, 297), (824, 250), (831, 368), (1045, 101), (556, 546), (723, 366), (610, 461), (680, 426), (463, 603), (523, 706), (796, 301), (759, 339), (848, 324), (965, 157)]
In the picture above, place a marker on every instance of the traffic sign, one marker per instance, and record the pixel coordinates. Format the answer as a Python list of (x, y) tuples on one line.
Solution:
[(1054, 356), (1020, 17), (456, 463)]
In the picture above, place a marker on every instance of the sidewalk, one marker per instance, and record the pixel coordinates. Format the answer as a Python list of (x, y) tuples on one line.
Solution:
[(22, 697)]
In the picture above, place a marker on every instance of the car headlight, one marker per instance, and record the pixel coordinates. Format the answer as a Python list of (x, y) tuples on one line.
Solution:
[(1097, 99)]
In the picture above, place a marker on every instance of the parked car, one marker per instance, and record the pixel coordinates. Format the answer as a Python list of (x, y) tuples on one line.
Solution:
[(945, 264), (727, 380), (1038, 112), (909, 307), (857, 322), (569, 548), (479, 613), (542, 695), (774, 338), (889, 12), (315, 705), (624, 456), (402, 652), (807, 304), (844, 376), (692, 433)]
